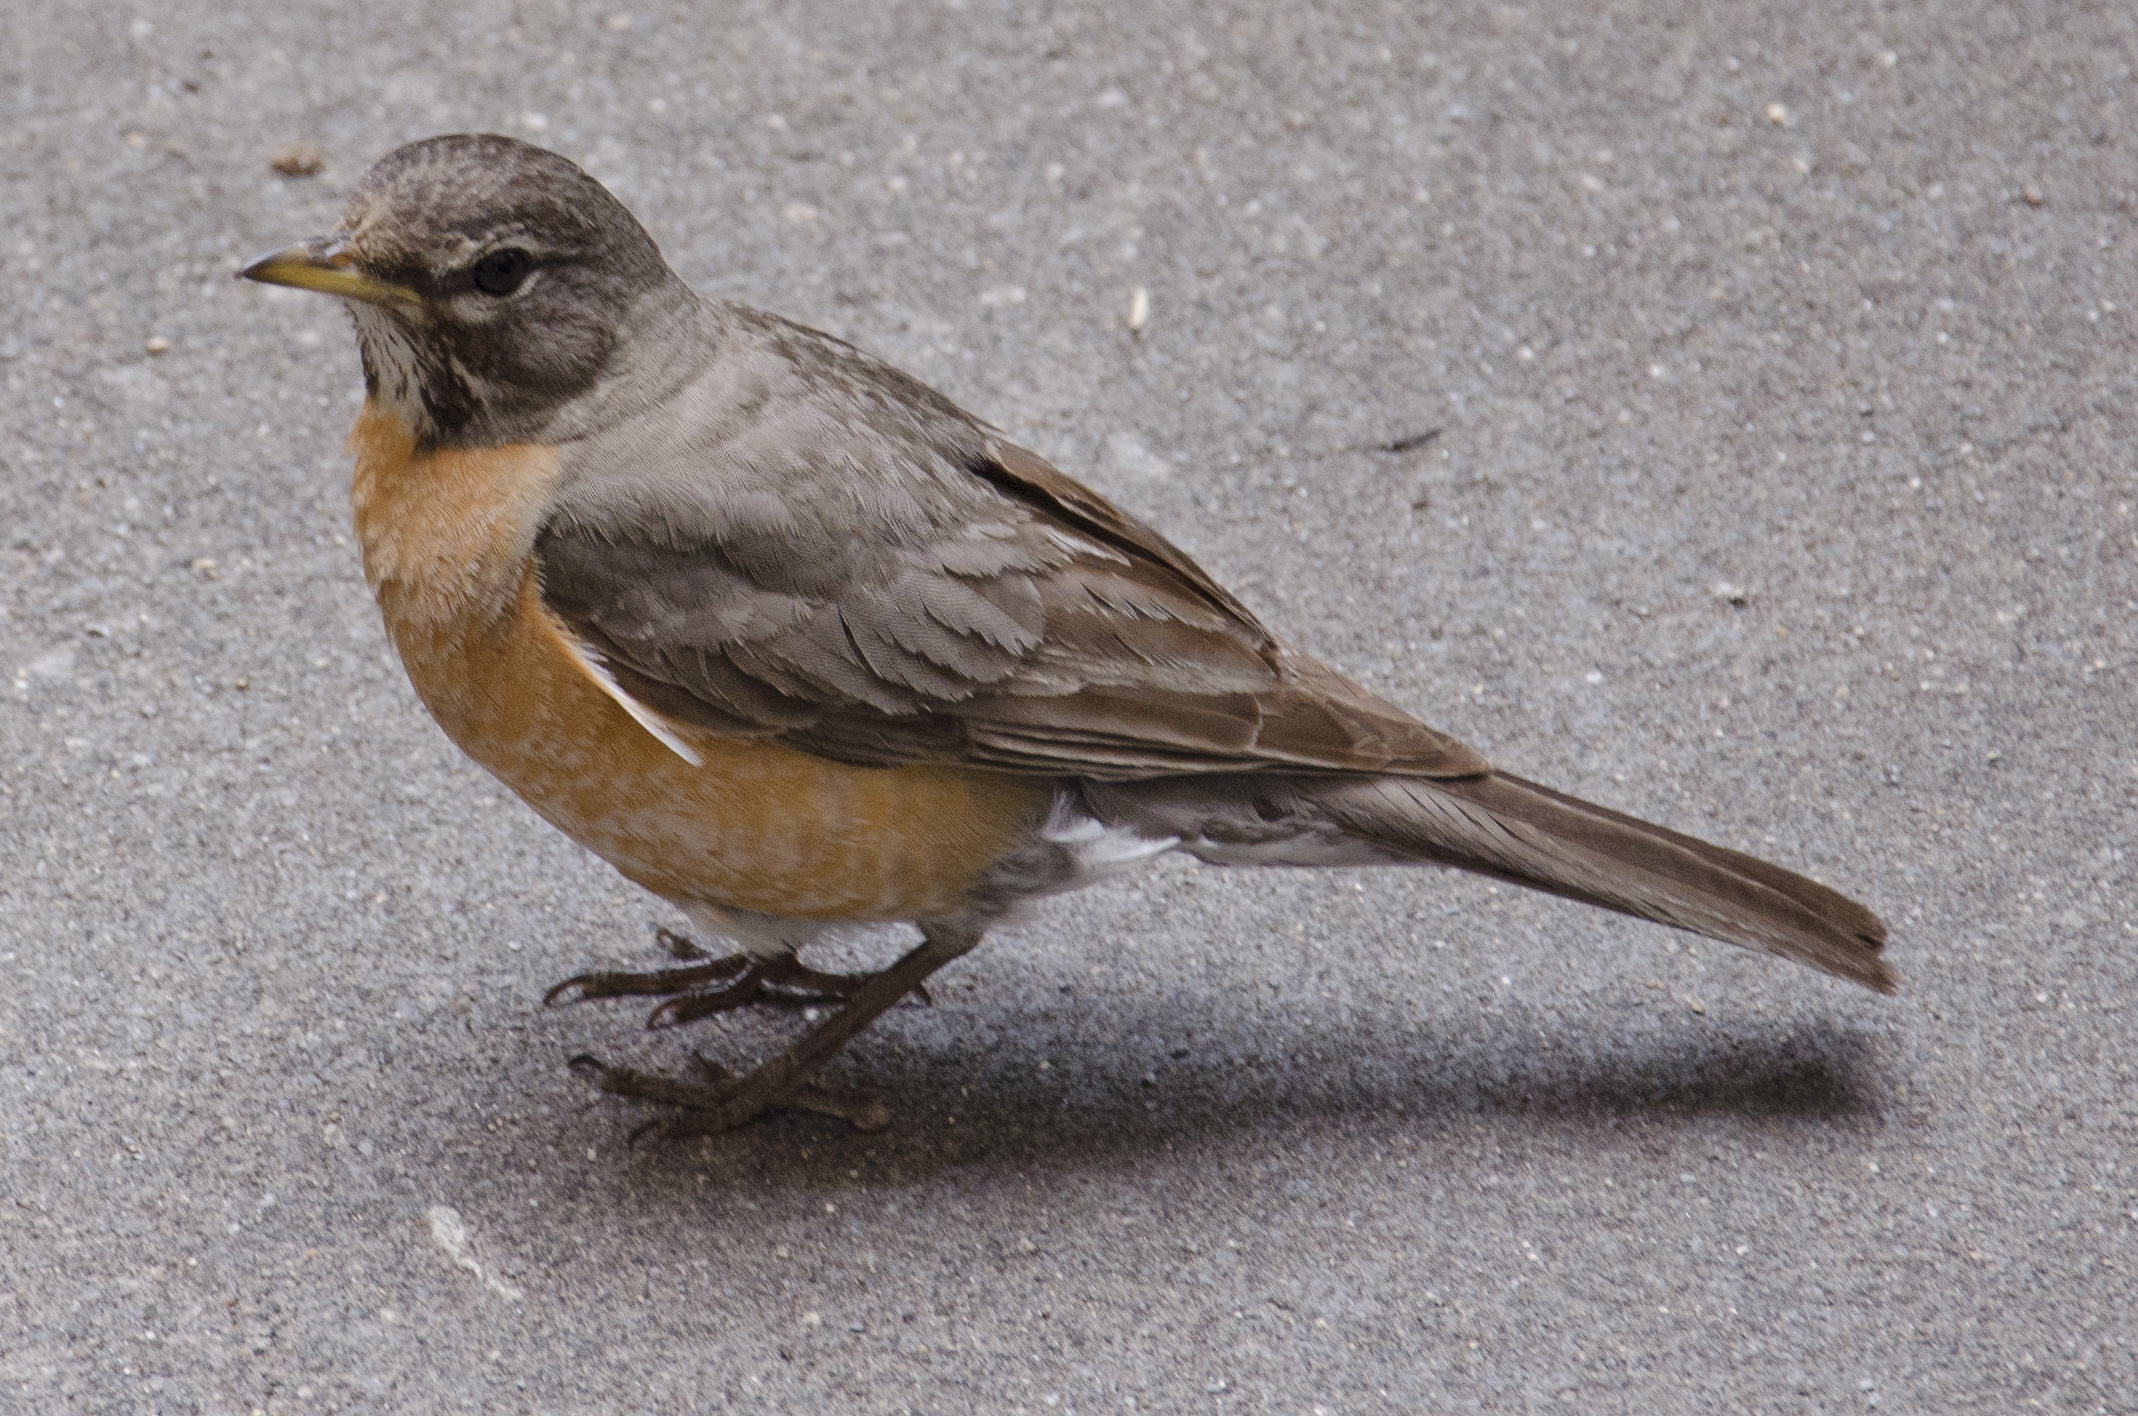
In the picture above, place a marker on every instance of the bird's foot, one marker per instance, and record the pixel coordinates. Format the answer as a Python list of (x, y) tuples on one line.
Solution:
[(701, 989), (723, 1102)]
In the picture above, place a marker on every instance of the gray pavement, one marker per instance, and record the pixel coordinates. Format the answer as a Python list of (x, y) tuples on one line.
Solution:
[(1779, 364)]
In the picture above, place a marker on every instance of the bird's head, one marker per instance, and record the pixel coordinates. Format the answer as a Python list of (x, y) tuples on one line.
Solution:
[(490, 281)]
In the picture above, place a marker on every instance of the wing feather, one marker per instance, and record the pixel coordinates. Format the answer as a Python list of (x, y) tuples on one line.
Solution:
[(829, 554)]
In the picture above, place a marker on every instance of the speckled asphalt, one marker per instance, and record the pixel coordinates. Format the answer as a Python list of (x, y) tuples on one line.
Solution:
[(1762, 384)]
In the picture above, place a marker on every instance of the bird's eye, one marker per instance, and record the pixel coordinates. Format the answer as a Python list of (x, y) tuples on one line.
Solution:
[(502, 272)]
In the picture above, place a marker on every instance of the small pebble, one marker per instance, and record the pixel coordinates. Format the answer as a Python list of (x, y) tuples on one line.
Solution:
[(1139, 310), (299, 160), (2032, 196), (1777, 114), (157, 344)]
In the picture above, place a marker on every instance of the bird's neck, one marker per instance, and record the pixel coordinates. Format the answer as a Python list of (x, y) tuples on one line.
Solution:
[(446, 533)]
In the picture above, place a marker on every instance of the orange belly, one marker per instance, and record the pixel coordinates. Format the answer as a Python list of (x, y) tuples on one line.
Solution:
[(759, 826)]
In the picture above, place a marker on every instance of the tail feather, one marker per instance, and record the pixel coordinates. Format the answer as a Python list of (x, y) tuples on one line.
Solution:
[(1502, 826), (1514, 830)]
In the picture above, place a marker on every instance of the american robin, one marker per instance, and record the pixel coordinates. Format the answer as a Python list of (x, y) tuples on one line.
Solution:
[(793, 641)]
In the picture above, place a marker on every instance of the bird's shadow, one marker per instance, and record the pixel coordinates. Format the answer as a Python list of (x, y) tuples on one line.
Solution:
[(1025, 1087)]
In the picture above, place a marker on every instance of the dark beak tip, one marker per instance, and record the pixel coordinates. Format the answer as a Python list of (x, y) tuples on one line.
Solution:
[(252, 268)]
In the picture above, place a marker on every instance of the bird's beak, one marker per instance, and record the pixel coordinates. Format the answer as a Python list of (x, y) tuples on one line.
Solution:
[(328, 265)]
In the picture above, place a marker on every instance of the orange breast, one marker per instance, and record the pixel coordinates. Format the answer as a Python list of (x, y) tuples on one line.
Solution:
[(447, 540)]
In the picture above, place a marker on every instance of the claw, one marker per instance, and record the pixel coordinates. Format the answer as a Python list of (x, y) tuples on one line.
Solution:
[(620, 984), (689, 1007), (679, 946)]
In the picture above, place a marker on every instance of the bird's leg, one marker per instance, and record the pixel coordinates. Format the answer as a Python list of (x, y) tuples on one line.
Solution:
[(724, 1103), (741, 979)]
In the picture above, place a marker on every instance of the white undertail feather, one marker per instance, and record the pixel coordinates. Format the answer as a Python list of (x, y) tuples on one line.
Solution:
[(1099, 850), (765, 936)]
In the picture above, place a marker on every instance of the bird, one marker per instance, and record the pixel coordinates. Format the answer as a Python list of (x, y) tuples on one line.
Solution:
[(796, 643)]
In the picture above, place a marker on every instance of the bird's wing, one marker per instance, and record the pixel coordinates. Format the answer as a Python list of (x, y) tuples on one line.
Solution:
[(818, 549)]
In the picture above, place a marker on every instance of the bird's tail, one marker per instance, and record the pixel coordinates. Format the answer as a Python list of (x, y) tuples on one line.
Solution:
[(1517, 831)]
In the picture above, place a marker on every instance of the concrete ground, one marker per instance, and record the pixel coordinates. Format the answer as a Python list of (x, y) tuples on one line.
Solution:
[(1724, 411)]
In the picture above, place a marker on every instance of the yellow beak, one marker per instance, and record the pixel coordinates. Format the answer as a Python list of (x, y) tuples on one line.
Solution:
[(328, 265)]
